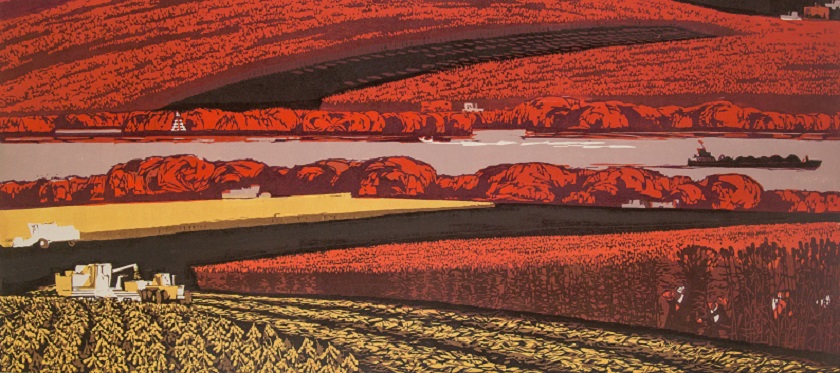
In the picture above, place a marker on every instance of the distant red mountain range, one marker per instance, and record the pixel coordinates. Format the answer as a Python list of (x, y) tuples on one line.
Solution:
[(186, 177), (542, 115)]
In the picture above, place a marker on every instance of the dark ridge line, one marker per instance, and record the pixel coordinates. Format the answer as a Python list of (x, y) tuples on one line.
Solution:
[(770, 8), (20, 8), (711, 4), (305, 87)]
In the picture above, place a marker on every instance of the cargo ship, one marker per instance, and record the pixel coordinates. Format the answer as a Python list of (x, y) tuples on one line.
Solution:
[(704, 158)]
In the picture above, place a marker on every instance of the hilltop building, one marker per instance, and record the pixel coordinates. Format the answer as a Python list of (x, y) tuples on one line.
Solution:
[(436, 106), (816, 11), (178, 123)]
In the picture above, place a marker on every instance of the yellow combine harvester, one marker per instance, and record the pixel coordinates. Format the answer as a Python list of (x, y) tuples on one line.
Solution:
[(94, 281)]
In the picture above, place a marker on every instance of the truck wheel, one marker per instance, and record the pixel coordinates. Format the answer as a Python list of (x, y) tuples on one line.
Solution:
[(43, 243), (187, 297)]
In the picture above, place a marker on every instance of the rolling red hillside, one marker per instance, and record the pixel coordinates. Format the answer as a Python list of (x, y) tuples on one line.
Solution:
[(772, 57), (83, 56), (187, 177)]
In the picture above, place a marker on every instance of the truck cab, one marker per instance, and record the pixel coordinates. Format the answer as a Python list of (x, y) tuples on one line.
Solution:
[(43, 234)]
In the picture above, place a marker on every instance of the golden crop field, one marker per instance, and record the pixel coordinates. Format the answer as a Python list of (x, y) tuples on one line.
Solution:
[(124, 220), (47, 334), (222, 333)]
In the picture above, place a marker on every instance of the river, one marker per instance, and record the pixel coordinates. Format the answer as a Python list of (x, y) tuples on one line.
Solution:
[(23, 161)]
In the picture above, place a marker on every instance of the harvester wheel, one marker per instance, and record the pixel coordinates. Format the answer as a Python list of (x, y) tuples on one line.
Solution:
[(187, 297), (43, 243), (159, 296)]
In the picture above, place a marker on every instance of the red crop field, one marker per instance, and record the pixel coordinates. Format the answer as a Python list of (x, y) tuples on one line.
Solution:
[(102, 55), (769, 281), (771, 57)]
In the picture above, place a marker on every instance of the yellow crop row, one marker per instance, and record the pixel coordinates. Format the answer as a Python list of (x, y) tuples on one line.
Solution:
[(47, 334), (535, 341)]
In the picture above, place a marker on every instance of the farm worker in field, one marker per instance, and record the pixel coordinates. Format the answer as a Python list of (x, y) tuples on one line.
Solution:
[(677, 310), (715, 320), (824, 302), (780, 305)]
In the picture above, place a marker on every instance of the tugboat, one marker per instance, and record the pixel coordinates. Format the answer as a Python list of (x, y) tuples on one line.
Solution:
[(792, 16), (704, 158)]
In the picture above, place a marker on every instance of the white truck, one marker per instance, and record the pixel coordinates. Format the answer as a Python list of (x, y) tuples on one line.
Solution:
[(45, 233), (471, 107), (792, 16)]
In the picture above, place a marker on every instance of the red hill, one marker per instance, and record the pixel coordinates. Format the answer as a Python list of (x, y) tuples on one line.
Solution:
[(554, 114), (275, 121), (82, 56), (186, 177)]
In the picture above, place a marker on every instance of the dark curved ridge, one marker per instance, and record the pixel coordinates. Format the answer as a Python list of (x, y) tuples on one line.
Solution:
[(772, 8), (306, 87), (19, 8)]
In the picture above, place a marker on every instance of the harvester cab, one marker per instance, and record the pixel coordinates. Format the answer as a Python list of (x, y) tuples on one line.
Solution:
[(162, 288)]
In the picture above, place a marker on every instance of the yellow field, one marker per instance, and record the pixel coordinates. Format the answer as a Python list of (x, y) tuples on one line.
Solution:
[(240, 333), (143, 219), (416, 338)]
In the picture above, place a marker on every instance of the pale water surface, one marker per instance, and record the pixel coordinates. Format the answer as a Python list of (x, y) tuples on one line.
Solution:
[(668, 155)]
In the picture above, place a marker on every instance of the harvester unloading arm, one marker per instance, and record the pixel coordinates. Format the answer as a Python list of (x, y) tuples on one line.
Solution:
[(123, 268)]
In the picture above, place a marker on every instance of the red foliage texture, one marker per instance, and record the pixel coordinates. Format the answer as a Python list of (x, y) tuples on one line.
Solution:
[(102, 55), (279, 120), (770, 56), (613, 277), (558, 114), (545, 115)]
